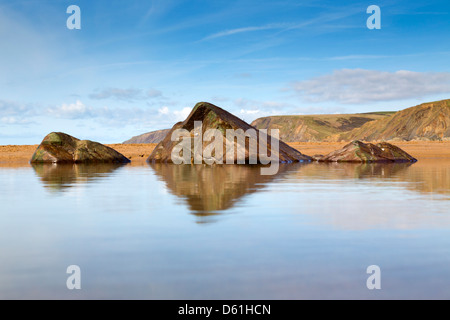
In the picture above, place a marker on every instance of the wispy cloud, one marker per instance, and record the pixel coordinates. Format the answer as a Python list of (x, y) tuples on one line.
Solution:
[(250, 109), (117, 93), (15, 113), (356, 86), (358, 57), (153, 93), (219, 99), (14, 121), (12, 112), (125, 94), (322, 20), (157, 8), (230, 32), (283, 27)]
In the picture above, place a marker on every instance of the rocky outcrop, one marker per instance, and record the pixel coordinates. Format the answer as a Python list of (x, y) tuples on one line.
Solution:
[(59, 147), (149, 137), (213, 117), (358, 151)]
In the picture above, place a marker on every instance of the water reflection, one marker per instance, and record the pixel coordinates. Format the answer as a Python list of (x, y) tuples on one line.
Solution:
[(317, 225), (61, 177), (429, 176), (370, 196), (211, 189), (357, 171)]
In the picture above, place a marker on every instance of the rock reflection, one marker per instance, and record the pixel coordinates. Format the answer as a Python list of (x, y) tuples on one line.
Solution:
[(339, 171), (208, 190), (61, 177), (430, 176), (374, 196)]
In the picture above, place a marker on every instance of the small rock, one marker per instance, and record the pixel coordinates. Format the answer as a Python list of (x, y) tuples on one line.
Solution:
[(358, 151), (58, 147)]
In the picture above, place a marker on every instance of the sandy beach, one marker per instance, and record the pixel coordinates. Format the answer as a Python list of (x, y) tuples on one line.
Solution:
[(19, 155)]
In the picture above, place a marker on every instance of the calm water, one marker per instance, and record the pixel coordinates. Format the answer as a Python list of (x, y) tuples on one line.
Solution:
[(199, 232)]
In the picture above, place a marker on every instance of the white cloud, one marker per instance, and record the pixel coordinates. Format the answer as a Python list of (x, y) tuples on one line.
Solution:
[(354, 86), (169, 116), (182, 114), (243, 111), (164, 110), (75, 110)]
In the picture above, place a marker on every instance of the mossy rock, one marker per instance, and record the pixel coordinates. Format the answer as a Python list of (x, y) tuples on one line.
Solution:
[(357, 151), (213, 117), (58, 147)]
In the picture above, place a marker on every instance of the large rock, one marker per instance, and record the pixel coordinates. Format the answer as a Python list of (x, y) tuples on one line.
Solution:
[(213, 117), (358, 151), (59, 147)]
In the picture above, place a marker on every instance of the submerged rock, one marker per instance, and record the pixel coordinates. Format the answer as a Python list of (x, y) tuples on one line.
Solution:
[(213, 117), (58, 147), (358, 151)]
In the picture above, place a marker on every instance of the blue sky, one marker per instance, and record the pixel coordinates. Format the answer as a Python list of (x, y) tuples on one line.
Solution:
[(138, 66)]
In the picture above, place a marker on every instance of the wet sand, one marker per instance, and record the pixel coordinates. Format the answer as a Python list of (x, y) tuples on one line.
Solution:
[(19, 155)]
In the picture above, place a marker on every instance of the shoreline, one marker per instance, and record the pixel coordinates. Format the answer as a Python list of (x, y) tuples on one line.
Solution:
[(20, 155)]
